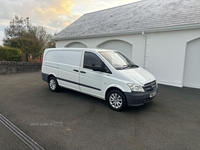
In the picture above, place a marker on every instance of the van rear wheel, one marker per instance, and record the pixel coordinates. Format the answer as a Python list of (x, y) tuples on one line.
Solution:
[(116, 100), (53, 84)]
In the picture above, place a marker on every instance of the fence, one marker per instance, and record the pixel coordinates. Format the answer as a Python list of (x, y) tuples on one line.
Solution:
[(9, 67)]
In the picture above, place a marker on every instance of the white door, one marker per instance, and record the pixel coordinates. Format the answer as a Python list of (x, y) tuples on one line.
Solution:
[(69, 69), (192, 64), (91, 82), (124, 47)]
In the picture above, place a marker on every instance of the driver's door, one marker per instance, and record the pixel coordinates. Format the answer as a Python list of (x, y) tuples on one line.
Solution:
[(91, 82)]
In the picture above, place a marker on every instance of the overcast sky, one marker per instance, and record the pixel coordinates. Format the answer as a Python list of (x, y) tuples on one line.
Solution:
[(55, 15)]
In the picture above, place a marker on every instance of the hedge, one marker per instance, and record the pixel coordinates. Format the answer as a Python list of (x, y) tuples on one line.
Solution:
[(9, 54)]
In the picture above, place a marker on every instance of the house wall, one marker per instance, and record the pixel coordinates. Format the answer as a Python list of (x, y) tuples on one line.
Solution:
[(161, 53), (169, 49)]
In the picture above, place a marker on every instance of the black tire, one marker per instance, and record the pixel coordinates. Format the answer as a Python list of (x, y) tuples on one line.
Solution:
[(116, 100), (53, 84)]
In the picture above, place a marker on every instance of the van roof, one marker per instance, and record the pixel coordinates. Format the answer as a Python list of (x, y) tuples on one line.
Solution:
[(85, 49)]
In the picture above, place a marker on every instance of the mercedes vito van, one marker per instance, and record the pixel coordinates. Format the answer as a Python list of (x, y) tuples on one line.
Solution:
[(105, 74)]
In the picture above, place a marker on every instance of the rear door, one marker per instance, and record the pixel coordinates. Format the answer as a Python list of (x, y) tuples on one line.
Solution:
[(69, 69), (91, 82)]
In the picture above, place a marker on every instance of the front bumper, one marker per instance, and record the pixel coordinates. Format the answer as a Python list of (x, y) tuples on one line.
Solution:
[(139, 98)]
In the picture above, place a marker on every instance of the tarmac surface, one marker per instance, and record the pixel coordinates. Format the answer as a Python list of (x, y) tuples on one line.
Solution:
[(74, 121)]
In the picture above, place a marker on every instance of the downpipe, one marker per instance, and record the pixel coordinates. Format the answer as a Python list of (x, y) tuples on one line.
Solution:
[(145, 38)]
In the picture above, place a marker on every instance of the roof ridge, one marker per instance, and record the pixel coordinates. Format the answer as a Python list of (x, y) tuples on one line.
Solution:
[(139, 1)]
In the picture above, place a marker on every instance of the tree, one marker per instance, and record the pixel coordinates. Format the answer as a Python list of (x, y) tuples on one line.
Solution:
[(21, 34), (18, 27), (43, 38)]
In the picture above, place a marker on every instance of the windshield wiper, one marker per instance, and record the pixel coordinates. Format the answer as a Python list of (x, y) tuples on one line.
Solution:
[(134, 66), (125, 66), (130, 66)]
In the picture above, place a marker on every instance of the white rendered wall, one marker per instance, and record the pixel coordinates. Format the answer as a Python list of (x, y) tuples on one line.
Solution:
[(169, 50)]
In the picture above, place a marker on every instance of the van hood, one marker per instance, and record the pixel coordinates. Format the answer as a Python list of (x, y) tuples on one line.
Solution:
[(139, 75)]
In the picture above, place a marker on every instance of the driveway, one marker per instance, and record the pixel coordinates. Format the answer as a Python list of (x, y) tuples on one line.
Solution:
[(73, 121)]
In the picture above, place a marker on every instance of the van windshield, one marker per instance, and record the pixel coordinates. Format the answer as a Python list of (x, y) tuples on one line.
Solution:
[(118, 60)]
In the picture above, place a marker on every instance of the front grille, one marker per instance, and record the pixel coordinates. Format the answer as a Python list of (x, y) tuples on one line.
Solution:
[(150, 86)]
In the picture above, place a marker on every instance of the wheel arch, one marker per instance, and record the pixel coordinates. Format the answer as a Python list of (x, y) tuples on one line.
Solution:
[(50, 75), (113, 88)]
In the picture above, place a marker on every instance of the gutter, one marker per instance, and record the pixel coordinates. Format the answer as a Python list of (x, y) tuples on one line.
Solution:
[(151, 30)]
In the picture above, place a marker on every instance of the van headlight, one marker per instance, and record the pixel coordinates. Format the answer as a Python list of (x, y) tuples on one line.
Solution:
[(135, 87)]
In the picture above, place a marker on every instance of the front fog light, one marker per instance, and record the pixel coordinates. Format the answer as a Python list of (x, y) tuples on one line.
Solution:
[(136, 88)]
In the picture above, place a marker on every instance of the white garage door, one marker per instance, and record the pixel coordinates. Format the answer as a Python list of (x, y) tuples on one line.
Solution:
[(124, 47), (76, 45), (192, 65)]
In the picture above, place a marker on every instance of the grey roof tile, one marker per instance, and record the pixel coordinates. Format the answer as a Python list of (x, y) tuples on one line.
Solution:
[(145, 14)]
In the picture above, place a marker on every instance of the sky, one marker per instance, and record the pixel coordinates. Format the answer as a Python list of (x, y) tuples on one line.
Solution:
[(54, 15)]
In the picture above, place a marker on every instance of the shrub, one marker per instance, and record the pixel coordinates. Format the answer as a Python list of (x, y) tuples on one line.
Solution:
[(9, 54)]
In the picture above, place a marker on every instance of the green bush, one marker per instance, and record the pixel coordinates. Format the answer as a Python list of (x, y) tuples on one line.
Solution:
[(9, 54)]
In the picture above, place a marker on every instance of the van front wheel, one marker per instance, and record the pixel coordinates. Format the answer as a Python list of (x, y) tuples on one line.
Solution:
[(53, 84), (116, 100)]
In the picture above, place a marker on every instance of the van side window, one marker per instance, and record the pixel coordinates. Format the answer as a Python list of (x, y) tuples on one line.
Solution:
[(91, 60)]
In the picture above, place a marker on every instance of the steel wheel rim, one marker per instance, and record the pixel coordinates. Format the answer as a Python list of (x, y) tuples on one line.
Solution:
[(52, 84), (115, 100)]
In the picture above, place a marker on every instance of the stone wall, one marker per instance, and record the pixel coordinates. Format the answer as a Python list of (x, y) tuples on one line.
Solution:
[(9, 67)]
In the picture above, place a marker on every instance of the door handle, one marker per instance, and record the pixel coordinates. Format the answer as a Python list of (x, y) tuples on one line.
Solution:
[(75, 70), (83, 72)]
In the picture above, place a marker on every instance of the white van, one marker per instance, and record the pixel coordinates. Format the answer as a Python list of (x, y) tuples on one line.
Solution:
[(106, 74)]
